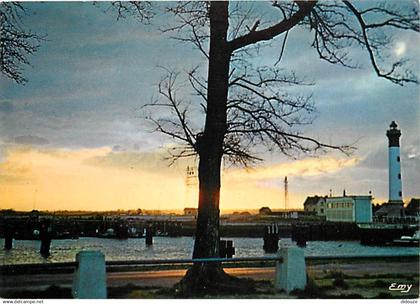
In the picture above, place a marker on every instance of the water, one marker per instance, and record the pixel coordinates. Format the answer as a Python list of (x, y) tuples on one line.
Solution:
[(171, 248)]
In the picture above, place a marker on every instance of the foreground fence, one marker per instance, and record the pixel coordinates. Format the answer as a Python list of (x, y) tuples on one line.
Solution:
[(396, 219), (89, 280)]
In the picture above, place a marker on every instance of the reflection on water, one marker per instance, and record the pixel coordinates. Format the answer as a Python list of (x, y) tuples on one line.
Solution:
[(170, 248)]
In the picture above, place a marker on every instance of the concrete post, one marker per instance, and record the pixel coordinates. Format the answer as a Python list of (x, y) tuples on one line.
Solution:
[(89, 280), (291, 273)]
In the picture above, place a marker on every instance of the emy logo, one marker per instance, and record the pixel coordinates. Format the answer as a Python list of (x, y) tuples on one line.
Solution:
[(403, 288)]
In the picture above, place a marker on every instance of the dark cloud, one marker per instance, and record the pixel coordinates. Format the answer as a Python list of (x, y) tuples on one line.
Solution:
[(85, 98), (31, 140), (153, 161), (376, 159), (117, 148), (6, 107)]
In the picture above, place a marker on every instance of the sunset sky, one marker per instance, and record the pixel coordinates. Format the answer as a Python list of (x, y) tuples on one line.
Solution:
[(72, 137)]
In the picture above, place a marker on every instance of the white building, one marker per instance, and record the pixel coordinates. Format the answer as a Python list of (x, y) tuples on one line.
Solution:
[(315, 204), (353, 208)]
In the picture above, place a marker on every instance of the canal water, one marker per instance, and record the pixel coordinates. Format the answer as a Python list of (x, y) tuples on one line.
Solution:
[(25, 251)]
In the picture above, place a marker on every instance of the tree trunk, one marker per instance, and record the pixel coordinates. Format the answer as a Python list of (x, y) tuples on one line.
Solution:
[(205, 277), (211, 142)]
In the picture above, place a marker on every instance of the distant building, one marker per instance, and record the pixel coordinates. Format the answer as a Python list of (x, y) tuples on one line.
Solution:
[(289, 214), (135, 212), (353, 208), (285, 214), (191, 211), (34, 215), (375, 208), (264, 211), (413, 207), (390, 210), (315, 204), (241, 213)]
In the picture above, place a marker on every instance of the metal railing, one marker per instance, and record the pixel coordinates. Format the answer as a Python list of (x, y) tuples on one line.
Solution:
[(193, 261), (396, 219), (46, 266), (4, 269), (362, 257)]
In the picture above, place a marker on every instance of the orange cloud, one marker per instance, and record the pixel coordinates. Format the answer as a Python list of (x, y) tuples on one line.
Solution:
[(64, 179), (99, 179), (305, 167), (244, 188)]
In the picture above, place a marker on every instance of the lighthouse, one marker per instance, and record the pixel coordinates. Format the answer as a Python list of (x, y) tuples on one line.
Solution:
[(395, 206), (394, 161)]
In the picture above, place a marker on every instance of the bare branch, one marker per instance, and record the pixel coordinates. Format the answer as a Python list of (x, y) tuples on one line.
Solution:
[(275, 30), (16, 42), (282, 48), (140, 10), (176, 124), (259, 115), (398, 21), (339, 27), (261, 111), (191, 23), (179, 152)]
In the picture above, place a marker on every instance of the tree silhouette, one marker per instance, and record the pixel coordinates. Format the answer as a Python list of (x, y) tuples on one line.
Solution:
[(246, 106), (16, 42)]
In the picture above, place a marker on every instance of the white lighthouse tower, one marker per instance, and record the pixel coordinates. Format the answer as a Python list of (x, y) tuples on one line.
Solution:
[(394, 161)]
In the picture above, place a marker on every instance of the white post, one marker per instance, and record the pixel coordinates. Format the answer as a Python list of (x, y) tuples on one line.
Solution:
[(291, 273), (89, 280)]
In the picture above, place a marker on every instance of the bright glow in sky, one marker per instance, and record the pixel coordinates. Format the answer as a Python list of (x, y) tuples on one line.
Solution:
[(100, 179), (400, 48), (71, 138)]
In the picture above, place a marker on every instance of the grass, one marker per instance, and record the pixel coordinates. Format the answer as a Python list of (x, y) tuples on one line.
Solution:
[(359, 261), (332, 283), (337, 285), (321, 288), (264, 289), (52, 292)]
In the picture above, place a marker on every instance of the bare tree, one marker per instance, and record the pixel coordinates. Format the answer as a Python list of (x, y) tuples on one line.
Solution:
[(246, 107), (16, 42)]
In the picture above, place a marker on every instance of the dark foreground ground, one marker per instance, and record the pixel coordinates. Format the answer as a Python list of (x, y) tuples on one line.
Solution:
[(332, 279)]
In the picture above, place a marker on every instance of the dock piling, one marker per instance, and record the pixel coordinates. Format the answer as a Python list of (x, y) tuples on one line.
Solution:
[(271, 238), (45, 237), (8, 236), (149, 236), (226, 249)]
